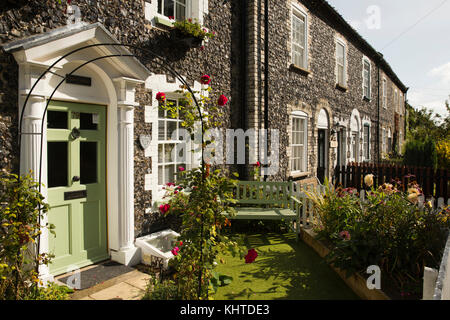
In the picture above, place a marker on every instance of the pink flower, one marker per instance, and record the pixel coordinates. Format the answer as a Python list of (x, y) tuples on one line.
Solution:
[(251, 256), (161, 96), (181, 243), (257, 164), (170, 184), (222, 100), (181, 169), (205, 79), (171, 17), (202, 48), (174, 252), (345, 235)]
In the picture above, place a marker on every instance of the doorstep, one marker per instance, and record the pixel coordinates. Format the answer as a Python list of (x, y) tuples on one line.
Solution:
[(129, 286)]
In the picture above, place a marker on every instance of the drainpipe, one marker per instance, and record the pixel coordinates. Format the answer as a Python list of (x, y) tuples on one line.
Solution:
[(378, 111), (244, 78), (266, 74)]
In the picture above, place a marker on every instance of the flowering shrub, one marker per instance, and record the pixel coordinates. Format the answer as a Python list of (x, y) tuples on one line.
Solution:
[(19, 232), (387, 229), (199, 198), (443, 154), (194, 29)]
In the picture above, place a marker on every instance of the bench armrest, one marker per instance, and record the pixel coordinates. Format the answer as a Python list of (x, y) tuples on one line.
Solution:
[(296, 200)]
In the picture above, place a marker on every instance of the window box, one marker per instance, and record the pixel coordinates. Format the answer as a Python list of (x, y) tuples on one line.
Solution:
[(187, 40), (299, 70)]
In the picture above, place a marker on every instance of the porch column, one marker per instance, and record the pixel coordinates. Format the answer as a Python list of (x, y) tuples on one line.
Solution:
[(30, 161), (127, 254)]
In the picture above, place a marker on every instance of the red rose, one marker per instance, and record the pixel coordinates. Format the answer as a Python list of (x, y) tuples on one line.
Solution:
[(205, 79), (257, 164), (222, 101), (161, 96), (164, 208), (251, 256)]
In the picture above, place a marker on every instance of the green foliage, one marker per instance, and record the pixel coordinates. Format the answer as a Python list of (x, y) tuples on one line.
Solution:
[(388, 230), (193, 28), (20, 201), (162, 290), (421, 153), (199, 201), (424, 123), (51, 292)]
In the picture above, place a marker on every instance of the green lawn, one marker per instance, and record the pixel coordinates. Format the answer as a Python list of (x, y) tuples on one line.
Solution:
[(284, 269)]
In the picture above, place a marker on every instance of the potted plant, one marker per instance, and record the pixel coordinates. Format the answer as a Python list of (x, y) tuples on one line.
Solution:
[(192, 33)]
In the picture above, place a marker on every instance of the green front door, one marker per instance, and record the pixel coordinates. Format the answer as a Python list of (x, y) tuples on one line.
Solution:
[(76, 171)]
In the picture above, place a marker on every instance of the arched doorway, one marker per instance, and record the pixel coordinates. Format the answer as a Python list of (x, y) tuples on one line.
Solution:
[(322, 145)]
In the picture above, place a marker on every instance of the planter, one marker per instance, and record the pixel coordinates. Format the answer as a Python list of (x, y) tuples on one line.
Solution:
[(186, 40), (356, 282), (156, 248), (191, 42)]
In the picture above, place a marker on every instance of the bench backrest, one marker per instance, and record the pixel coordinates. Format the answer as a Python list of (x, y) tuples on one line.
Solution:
[(265, 192)]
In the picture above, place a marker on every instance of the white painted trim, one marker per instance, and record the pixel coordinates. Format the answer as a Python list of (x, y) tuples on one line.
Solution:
[(366, 59), (296, 8), (158, 83), (340, 40), (104, 90)]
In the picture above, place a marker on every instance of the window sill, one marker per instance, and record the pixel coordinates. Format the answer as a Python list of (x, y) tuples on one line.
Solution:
[(163, 21), (367, 99), (296, 175), (299, 70), (341, 87)]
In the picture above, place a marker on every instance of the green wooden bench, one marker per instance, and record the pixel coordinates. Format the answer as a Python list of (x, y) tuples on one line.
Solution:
[(263, 200)]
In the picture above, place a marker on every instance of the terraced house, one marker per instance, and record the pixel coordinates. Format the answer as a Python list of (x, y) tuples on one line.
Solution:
[(294, 66)]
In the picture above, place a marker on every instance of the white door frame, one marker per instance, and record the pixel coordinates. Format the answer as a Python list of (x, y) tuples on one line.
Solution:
[(113, 84)]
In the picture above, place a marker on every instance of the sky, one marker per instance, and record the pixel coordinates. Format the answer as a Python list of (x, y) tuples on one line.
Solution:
[(414, 37)]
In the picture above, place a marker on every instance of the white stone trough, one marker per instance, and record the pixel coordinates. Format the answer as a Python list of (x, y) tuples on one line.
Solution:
[(157, 246)]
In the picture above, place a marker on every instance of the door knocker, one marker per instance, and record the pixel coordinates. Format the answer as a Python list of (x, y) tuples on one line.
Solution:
[(75, 134)]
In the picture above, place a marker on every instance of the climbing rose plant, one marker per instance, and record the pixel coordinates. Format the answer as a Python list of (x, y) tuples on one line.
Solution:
[(199, 198)]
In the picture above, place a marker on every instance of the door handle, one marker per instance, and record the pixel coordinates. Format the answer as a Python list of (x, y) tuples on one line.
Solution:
[(76, 178)]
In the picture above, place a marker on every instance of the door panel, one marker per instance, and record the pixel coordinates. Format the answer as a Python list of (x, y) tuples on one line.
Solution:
[(77, 184), (322, 155)]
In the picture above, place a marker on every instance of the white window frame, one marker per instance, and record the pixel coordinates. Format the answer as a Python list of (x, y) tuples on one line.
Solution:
[(195, 9), (364, 61), (383, 141), (163, 164), (384, 93), (187, 6), (304, 163), (296, 10), (344, 69)]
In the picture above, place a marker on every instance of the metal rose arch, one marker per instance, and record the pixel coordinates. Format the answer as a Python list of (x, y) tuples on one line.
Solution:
[(160, 61)]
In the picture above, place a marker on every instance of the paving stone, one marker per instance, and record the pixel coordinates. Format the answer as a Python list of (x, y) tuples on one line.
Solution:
[(121, 291), (140, 281)]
